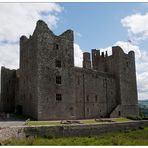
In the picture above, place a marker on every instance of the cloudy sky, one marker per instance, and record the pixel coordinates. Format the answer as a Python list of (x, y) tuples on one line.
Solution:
[(96, 25)]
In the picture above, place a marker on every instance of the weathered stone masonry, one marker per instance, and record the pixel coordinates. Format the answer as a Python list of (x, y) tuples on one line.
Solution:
[(50, 87), (19, 132)]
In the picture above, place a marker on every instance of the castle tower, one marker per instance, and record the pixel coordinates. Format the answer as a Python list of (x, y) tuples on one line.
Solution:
[(98, 60), (123, 66), (46, 64), (86, 60)]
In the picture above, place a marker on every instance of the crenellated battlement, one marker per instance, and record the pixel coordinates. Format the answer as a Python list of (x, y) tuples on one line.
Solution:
[(100, 59)]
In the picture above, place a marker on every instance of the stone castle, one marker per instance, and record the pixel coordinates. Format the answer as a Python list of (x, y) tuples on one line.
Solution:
[(48, 86)]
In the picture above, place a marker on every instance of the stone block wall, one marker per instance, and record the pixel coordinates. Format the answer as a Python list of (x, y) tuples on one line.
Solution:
[(68, 130), (8, 89)]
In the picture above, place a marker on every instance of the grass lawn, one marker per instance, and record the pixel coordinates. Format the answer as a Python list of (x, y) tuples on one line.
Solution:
[(37, 123), (90, 121), (121, 119), (137, 137)]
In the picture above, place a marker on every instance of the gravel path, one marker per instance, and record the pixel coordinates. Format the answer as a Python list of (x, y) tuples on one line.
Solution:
[(11, 123)]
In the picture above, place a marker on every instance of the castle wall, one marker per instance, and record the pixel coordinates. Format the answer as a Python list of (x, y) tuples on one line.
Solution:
[(95, 93), (28, 96), (8, 93)]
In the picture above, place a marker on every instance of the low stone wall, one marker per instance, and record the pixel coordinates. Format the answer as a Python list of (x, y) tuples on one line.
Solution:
[(68, 130), (11, 132)]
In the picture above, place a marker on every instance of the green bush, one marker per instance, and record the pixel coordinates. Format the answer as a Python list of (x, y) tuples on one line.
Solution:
[(141, 127), (145, 118), (134, 117)]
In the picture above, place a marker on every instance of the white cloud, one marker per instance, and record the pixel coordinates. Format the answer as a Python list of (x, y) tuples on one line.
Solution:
[(137, 25), (142, 85), (9, 56), (20, 18), (142, 75), (78, 55)]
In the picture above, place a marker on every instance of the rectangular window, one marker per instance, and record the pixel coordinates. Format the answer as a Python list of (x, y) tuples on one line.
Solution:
[(58, 97), (58, 63), (58, 80)]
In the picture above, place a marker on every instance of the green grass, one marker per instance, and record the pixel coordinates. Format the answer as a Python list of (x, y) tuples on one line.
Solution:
[(90, 121), (38, 123), (121, 119), (137, 137)]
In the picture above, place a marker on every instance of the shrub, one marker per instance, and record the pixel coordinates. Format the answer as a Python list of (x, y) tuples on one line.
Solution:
[(141, 127), (145, 118), (49, 136), (134, 117)]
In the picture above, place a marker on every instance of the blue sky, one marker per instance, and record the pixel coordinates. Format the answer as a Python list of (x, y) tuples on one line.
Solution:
[(96, 25), (99, 24)]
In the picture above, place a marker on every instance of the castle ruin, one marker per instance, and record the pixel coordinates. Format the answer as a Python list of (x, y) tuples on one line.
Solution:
[(47, 85)]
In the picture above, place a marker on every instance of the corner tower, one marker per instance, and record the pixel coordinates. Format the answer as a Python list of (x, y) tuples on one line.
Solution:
[(123, 66), (46, 64), (55, 60)]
